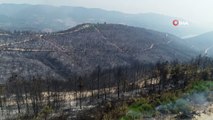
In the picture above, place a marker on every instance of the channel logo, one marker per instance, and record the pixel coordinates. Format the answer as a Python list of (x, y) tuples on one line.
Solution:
[(179, 22)]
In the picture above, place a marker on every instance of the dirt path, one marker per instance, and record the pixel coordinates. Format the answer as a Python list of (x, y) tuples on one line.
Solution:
[(206, 114)]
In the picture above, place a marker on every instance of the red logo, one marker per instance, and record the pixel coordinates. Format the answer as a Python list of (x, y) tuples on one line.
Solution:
[(175, 22)]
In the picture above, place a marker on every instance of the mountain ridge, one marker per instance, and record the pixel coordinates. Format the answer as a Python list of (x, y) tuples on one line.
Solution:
[(53, 18)]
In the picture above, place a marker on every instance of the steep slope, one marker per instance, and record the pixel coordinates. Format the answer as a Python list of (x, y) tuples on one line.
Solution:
[(202, 43), (50, 18), (84, 47)]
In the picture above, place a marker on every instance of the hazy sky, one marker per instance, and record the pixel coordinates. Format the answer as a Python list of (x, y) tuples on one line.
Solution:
[(197, 11)]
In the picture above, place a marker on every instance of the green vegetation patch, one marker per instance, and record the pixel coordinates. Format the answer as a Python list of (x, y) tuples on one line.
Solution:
[(139, 109), (167, 102), (200, 86)]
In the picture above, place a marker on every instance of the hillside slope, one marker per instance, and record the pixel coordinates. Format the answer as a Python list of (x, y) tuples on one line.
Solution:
[(84, 47), (202, 43)]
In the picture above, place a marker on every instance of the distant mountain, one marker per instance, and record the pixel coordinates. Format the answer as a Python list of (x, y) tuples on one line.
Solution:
[(84, 47), (50, 18), (202, 43)]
